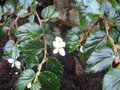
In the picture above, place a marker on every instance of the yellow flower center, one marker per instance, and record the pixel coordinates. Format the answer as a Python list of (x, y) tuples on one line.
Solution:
[(59, 41), (58, 48)]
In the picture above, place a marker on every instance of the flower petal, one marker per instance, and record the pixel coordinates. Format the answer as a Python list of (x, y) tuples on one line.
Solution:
[(58, 39), (55, 44), (62, 52), (11, 60), (17, 64), (13, 64), (62, 44), (55, 51)]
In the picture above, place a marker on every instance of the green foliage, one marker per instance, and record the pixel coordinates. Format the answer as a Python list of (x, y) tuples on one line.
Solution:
[(49, 80), (15, 52), (100, 59), (25, 78), (54, 66), (32, 47), (22, 13), (49, 12), (29, 31), (25, 3), (31, 61), (1, 12), (95, 39), (8, 47), (31, 18), (88, 11), (36, 86), (9, 6), (111, 80), (72, 38), (32, 43)]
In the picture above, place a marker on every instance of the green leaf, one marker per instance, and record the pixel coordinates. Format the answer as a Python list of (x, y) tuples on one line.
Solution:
[(29, 31), (31, 61), (96, 39), (49, 12), (113, 2), (55, 14), (31, 18), (100, 59), (93, 7), (51, 38), (82, 18), (25, 78), (111, 80), (114, 33), (36, 86), (1, 11), (35, 3), (72, 38), (32, 47), (49, 81), (46, 28), (79, 2), (9, 6), (106, 6), (22, 13), (25, 3), (8, 47), (15, 52), (54, 66)]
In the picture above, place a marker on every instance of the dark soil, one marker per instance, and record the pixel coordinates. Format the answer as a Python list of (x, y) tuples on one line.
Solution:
[(8, 77), (83, 81), (70, 79)]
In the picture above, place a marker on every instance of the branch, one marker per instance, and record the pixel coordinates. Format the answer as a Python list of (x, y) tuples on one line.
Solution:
[(84, 35), (44, 59)]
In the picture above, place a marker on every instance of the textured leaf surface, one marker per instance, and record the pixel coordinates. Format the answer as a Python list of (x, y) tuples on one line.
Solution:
[(8, 47), (53, 65), (32, 47), (49, 80), (95, 40), (25, 78), (72, 38), (36, 86), (111, 80), (49, 12), (25, 3), (28, 31), (100, 59)]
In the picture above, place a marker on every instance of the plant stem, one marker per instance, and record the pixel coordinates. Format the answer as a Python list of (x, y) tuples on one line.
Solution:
[(40, 21), (84, 35), (43, 61)]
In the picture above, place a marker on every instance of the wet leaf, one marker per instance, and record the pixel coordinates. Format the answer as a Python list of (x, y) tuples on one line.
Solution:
[(49, 81), (36, 86), (25, 78), (22, 13), (25, 3), (32, 47), (100, 59), (29, 31), (72, 38), (8, 47), (49, 12), (54, 66), (111, 80)]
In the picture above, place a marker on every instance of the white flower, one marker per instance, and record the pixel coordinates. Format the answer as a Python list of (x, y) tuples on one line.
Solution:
[(59, 44), (15, 63)]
